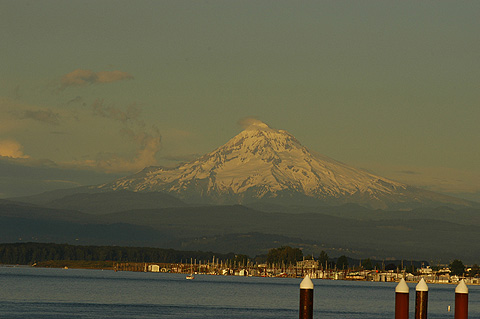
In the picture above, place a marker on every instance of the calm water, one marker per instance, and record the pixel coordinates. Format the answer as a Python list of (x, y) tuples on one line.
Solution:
[(57, 293)]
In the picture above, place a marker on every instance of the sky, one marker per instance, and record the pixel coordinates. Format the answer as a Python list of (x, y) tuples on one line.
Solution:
[(94, 90)]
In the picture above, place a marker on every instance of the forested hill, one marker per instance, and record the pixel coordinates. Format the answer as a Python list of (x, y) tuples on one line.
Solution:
[(29, 253)]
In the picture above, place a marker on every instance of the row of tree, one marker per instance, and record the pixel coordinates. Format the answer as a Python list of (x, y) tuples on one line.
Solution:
[(289, 256), (284, 255), (29, 253)]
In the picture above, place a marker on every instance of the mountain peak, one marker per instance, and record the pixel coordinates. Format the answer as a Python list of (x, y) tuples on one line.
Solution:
[(259, 138)]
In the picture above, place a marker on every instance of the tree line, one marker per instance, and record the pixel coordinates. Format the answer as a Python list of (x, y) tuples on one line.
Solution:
[(29, 253), (287, 255)]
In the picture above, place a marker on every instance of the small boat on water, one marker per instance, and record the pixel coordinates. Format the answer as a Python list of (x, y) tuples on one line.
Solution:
[(191, 276)]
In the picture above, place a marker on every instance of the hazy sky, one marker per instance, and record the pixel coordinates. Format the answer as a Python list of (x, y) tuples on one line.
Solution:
[(93, 90)]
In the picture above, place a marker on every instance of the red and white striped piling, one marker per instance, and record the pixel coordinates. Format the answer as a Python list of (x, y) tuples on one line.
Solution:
[(401, 300), (306, 298), (421, 300), (461, 301)]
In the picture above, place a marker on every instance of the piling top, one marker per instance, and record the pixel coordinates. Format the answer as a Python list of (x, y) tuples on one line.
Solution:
[(306, 283), (461, 288), (402, 287), (422, 286)]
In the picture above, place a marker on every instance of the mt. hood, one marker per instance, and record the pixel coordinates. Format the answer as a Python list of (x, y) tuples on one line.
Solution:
[(266, 164)]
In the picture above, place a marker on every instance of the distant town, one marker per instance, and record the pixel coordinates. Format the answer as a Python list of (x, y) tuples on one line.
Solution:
[(310, 267)]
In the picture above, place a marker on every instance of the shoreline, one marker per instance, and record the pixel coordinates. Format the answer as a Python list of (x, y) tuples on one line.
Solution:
[(143, 267)]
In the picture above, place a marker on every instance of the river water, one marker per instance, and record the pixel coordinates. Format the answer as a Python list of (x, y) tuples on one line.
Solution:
[(27, 292)]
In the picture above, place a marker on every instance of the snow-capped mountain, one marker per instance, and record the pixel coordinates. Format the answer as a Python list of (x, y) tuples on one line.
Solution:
[(262, 163)]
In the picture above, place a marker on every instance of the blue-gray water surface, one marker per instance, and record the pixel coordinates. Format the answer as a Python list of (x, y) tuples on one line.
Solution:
[(27, 292)]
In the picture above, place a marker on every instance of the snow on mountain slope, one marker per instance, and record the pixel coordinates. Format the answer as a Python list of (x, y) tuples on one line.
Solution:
[(262, 163)]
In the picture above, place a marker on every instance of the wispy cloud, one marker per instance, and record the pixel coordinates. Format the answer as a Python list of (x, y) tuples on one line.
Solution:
[(131, 112), (147, 140), (145, 156), (45, 116), (250, 121), (140, 145), (16, 115), (81, 77)]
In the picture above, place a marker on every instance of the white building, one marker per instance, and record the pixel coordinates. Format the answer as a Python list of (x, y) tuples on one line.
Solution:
[(154, 268)]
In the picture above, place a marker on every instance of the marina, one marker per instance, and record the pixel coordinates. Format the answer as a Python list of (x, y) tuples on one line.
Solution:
[(300, 270), (80, 293)]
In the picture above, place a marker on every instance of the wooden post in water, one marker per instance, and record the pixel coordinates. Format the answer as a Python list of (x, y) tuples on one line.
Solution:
[(461, 301), (421, 300), (401, 300), (306, 298)]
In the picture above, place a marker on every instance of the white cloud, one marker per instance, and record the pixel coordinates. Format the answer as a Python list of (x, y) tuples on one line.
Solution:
[(11, 149), (251, 121)]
